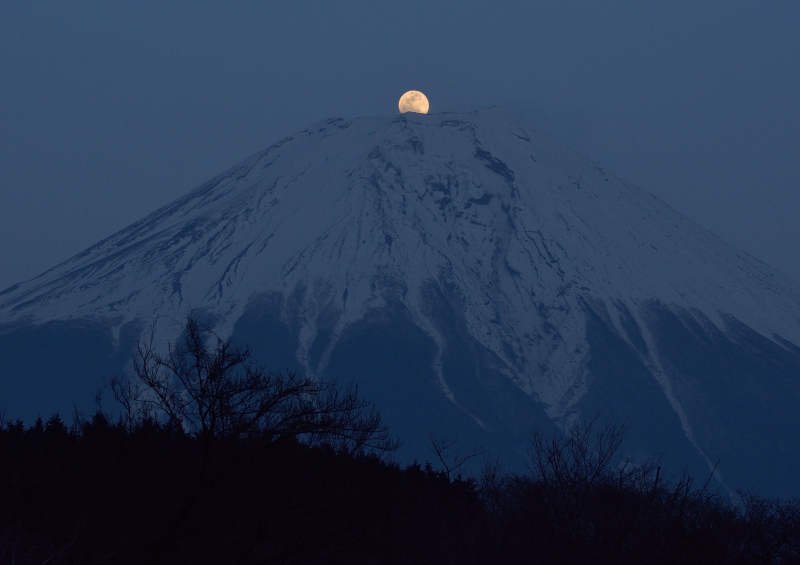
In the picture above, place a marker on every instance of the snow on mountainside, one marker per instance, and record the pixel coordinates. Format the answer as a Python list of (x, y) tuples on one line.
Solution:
[(349, 215), (515, 221)]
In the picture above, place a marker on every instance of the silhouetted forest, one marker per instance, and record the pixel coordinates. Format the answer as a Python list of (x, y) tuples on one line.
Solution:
[(214, 460)]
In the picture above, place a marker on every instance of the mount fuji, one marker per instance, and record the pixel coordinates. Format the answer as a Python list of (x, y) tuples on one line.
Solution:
[(472, 276)]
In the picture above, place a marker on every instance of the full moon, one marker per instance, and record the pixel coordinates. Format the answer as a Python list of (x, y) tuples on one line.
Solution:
[(413, 101)]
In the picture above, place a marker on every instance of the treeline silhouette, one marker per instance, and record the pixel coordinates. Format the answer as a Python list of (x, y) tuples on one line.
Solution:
[(214, 460)]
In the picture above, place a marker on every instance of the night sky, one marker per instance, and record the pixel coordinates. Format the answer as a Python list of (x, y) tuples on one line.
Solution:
[(109, 110)]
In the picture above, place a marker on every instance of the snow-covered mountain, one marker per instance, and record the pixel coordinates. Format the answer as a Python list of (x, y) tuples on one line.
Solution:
[(472, 276)]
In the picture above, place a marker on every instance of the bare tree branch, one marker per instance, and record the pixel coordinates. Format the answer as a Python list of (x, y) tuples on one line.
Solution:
[(211, 388), (455, 460)]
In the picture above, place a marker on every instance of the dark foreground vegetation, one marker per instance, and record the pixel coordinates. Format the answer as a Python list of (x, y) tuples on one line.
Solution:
[(216, 461)]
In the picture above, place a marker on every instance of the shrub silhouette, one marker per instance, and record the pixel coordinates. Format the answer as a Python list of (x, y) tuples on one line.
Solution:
[(215, 460), (579, 504)]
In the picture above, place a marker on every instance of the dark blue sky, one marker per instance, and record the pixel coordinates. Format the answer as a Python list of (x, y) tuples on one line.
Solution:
[(110, 109)]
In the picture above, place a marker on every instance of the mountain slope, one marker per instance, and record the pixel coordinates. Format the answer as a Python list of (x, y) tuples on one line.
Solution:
[(511, 282)]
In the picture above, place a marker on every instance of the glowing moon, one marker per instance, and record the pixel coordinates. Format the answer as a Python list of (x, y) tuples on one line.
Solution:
[(414, 101)]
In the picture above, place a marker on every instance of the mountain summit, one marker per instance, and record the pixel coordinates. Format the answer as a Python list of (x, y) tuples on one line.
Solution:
[(471, 275)]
